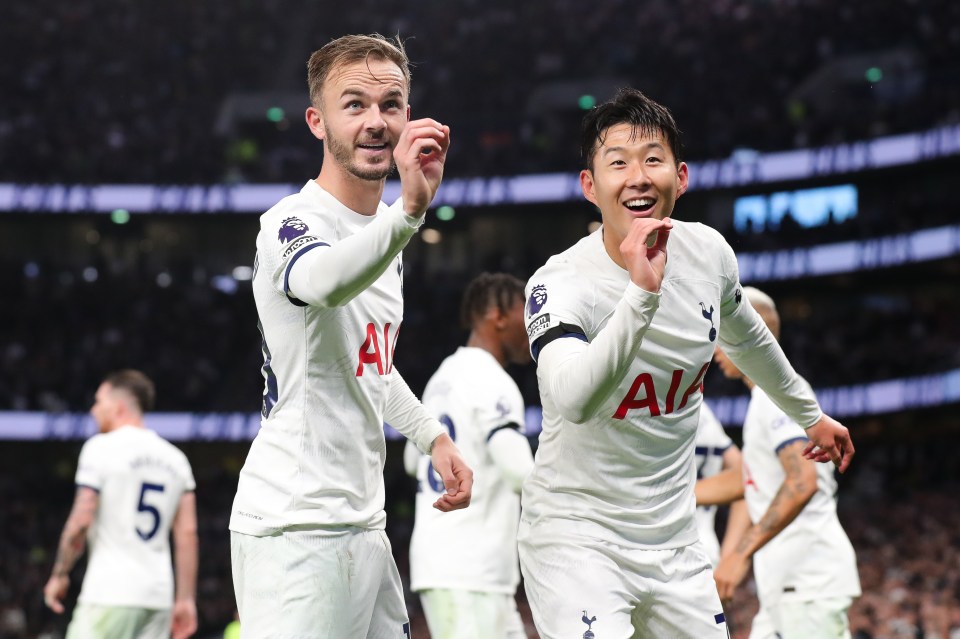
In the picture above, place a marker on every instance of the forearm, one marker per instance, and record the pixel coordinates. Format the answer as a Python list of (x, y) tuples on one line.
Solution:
[(723, 488), (333, 275), (73, 539), (580, 376), (758, 355), (405, 413), (738, 522), (511, 453), (186, 547), (789, 501), (73, 542)]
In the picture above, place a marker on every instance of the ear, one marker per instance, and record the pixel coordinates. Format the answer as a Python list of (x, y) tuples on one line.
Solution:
[(683, 178), (587, 186), (314, 117)]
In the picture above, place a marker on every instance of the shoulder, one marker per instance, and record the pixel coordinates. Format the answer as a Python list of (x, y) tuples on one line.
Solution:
[(568, 273)]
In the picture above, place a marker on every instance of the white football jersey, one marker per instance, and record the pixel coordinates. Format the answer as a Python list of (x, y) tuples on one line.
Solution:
[(627, 473), (474, 548), (711, 443), (318, 458), (140, 478), (812, 557)]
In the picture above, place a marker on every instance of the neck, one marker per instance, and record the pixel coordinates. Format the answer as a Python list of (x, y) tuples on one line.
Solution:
[(362, 196), (748, 382), (479, 339), (612, 245)]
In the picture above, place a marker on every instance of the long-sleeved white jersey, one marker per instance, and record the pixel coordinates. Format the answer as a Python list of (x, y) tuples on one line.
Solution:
[(329, 330), (620, 372), (812, 557)]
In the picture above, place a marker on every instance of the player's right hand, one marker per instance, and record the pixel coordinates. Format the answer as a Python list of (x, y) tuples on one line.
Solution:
[(55, 591), (646, 263), (457, 476), (420, 155), (184, 619)]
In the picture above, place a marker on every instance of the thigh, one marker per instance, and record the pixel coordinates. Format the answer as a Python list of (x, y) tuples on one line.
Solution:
[(389, 612), (813, 619), (118, 622), (302, 585), (682, 598), (466, 614), (156, 625), (575, 588), (762, 626)]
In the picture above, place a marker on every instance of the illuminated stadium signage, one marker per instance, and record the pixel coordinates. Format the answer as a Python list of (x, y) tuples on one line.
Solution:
[(742, 169), (807, 207), (888, 396)]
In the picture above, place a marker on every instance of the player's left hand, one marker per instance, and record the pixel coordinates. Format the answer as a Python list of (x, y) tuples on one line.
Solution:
[(457, 476), (55, 591), (184, 622), (729, 573), (829, 441)]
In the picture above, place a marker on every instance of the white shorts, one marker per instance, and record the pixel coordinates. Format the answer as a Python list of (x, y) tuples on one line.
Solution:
[(93, 621), (824, 618), (299, 584), (581, 588), (469, 614)]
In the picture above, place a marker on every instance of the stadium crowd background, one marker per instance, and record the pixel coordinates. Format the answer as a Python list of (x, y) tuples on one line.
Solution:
[(140, 93)]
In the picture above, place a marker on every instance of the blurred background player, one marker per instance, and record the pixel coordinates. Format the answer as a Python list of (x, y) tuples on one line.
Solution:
[(133, 488), (716, 452), (309, 552), (804, 564), (464, 564), (623, 337)]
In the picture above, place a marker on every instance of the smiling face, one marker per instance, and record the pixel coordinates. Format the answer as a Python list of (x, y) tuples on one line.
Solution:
[(362, 114), (633, 175)]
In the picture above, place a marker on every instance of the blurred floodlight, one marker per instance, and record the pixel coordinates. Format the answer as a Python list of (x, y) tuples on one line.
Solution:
[(445, 213), (243, 273), (120, 216), (431, 236), (587, 102)]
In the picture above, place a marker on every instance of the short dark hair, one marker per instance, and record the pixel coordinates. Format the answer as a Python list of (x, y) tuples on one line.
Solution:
[(137, 384), (485, 291), (631, 107), (347, 50)]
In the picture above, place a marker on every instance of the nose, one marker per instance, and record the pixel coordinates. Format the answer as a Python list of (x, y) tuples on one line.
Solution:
[(375, 121), (638, 175)]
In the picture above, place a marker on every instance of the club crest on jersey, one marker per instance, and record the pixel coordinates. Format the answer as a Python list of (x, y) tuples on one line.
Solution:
[(738, 296), (538, 297), (589, 621), (292, 228), (708, 315)]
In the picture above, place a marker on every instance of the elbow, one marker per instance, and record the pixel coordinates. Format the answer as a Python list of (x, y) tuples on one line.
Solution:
[(578, 415)]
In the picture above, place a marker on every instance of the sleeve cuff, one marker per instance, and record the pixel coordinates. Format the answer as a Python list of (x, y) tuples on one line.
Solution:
[(412, 222)]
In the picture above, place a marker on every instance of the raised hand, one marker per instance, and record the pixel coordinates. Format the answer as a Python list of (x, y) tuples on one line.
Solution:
[(646, 259), (420, 155)]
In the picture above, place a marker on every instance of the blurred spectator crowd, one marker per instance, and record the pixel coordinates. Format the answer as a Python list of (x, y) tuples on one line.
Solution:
[(125, 91)]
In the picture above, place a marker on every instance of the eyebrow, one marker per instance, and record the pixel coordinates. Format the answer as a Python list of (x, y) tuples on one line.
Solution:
[(621, 149), (360, 93)]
